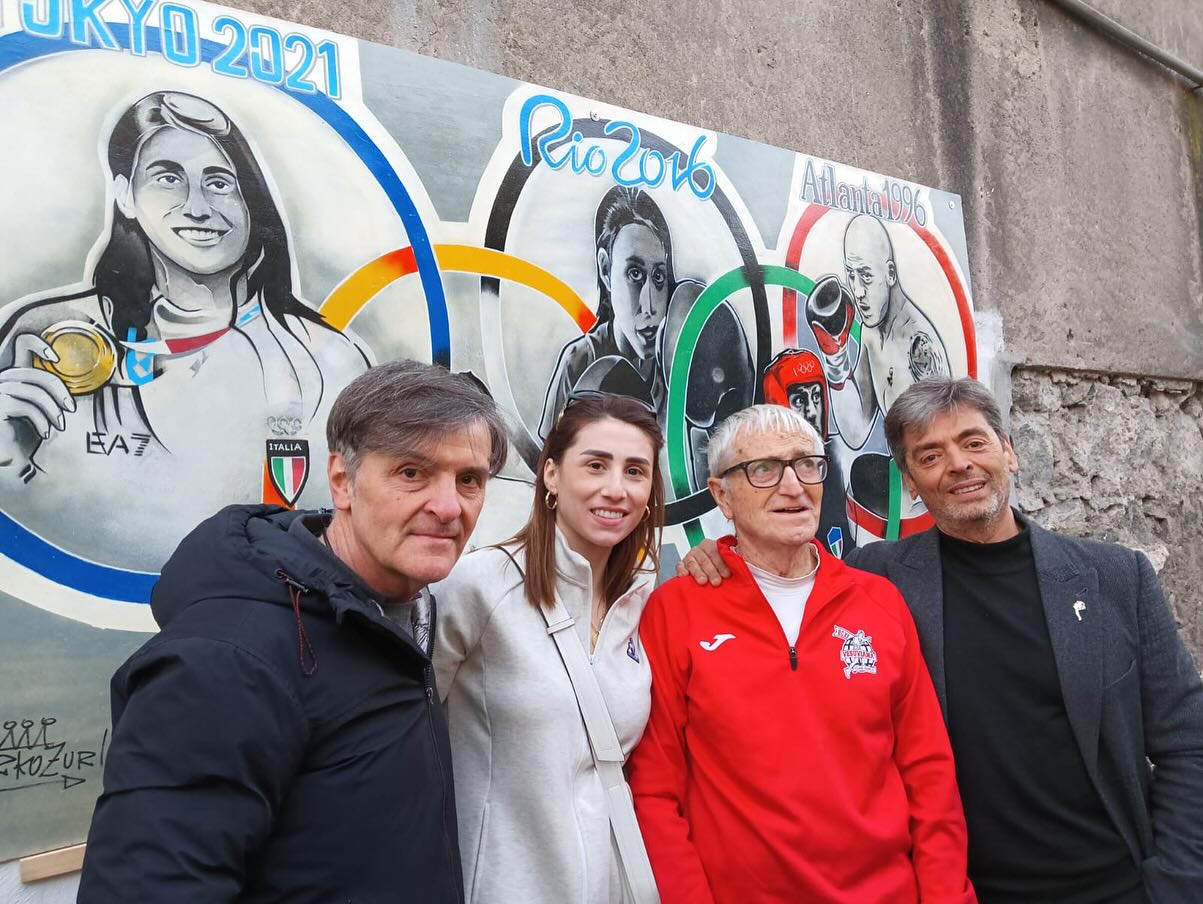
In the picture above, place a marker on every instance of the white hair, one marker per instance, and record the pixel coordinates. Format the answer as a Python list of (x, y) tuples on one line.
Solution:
[(757, 419)]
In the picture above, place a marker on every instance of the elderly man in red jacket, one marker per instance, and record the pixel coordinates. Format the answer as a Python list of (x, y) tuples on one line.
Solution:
[(796, 749)]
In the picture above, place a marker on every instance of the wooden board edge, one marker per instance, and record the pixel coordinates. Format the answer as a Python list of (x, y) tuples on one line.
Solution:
[(52, 863)]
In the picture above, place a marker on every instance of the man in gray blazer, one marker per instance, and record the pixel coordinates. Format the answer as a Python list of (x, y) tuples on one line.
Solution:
[(1059, 669)]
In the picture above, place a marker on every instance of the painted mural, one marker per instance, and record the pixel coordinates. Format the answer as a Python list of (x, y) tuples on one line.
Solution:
[(214, 221)]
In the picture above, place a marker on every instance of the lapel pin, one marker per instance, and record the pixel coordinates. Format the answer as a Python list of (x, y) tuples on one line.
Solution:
[(1079, 608)]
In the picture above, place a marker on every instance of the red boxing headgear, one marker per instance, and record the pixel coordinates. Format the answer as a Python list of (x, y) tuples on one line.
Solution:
[(795, 367)]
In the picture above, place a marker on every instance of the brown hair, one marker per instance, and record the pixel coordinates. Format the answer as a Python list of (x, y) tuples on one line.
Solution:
[(539, 534)]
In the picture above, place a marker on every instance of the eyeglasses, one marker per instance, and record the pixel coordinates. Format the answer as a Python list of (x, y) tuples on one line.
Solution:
[(580, 395), (767, 472)]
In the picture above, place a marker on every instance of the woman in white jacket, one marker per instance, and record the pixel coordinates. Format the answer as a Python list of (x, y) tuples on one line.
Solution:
[(534, 824)]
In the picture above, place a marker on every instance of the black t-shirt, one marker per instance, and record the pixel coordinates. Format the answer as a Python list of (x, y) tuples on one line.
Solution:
[(1038, 831)]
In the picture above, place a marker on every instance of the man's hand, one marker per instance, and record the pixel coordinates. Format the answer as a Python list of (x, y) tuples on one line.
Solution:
[(704, 564)]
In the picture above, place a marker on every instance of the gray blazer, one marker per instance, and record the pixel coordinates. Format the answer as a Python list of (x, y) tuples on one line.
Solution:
[(1131, 690)]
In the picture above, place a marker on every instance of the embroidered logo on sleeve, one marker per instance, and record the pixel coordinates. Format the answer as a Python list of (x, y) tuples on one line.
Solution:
[(632, 648), (857, 653)]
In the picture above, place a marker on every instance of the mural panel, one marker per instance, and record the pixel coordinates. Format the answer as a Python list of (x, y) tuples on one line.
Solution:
[(217, 220)]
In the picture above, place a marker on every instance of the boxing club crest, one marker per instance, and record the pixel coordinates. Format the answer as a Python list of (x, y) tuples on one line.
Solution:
[(857, 653)]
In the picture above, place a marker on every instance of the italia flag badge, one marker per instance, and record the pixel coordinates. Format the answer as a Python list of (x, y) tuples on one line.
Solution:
[(285, 471)]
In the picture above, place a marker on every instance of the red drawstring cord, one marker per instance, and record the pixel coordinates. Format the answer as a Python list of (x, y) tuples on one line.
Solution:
[(294, 593)]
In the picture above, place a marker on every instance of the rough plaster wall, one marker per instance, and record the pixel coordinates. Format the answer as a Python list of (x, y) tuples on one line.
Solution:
[(1118, 458), (1085, 203)]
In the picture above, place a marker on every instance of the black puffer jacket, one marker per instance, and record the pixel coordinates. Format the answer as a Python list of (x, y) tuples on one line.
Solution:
[(280, 739)]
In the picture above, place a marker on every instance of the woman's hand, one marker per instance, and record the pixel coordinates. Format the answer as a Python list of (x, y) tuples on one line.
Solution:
[(32, 403)]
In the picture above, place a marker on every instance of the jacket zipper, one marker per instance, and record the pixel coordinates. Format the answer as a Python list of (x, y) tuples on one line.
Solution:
[(601, 629), (428, 686), (793, 659), (427, 680)]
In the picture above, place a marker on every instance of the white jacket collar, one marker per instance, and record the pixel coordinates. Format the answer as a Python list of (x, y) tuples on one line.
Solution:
[(573, 568)]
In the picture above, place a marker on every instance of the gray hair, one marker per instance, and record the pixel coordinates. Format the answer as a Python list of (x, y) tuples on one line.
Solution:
[(398, 407), (757, 419), (926, 400)]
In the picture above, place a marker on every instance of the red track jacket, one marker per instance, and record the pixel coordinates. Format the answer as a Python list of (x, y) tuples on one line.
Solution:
[(819, 773)]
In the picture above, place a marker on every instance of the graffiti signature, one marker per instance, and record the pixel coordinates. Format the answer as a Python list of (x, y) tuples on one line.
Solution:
[(30, 758)]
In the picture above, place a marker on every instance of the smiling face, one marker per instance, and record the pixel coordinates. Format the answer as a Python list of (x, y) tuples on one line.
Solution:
[(407, 517), (869, 267), (636, 272), (772, 523), (961, 469), (184, 194), (602, 485)]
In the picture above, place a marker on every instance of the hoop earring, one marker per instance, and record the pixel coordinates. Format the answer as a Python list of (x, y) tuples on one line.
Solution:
[(550, 500), (647, 513)]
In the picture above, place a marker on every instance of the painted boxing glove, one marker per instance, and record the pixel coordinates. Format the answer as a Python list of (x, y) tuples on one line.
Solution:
[(829, 314)]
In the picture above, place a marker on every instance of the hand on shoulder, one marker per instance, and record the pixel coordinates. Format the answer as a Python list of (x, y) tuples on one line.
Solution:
[(704, 564)]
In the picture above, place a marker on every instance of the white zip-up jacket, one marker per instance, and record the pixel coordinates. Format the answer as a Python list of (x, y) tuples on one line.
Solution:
[(533, 824)]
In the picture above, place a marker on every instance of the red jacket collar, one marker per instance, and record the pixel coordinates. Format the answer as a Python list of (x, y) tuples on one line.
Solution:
[(832, 577)]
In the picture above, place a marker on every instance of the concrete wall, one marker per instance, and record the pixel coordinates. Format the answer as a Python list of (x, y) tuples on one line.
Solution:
[(1173, 25), (1080, 165)]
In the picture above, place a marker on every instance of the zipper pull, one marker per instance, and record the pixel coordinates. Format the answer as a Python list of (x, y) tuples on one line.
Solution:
[(793, 659)]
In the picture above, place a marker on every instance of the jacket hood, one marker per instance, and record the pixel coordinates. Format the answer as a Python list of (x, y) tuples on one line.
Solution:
[(246, 552)]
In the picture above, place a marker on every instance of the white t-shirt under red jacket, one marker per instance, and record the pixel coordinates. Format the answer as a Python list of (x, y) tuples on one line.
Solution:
[(817, 772)]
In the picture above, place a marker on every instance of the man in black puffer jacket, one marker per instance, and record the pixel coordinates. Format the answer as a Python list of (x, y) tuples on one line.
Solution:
[(281, 738)]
